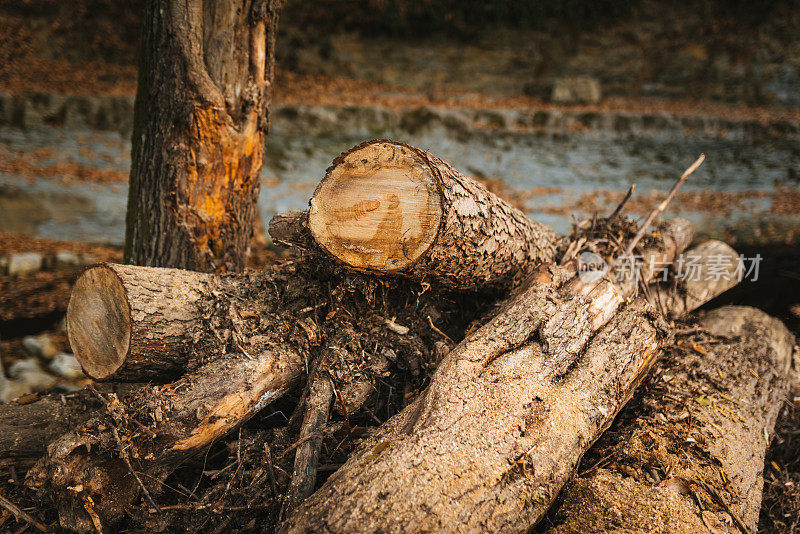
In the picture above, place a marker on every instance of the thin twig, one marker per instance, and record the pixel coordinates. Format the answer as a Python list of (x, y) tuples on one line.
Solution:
[(433, 326), (21, 514), (722, 502), (622, 204), (122, 452), (273, 486), (661, 207)]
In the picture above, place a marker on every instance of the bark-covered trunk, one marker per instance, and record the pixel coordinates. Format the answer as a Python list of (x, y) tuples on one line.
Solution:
[(689, 455), (201, 117), (509, 412), (388, 207)]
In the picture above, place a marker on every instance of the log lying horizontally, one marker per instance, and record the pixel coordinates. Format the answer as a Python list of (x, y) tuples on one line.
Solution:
[(135, 323), (698, 436), (506, 419), (388, 207), (247, 358)]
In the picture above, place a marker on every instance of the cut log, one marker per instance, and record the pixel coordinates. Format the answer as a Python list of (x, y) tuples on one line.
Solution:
[(707, 270), (388, 207), (244, 358), (135, 323), (506, 419), (698, 436), (490, 442)]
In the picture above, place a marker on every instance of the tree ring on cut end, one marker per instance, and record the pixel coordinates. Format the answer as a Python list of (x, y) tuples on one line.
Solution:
[(99, 322), (379, 208)]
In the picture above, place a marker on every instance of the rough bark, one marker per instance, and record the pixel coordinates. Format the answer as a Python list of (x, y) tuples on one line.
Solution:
[(388, 207), (247, 358), (507, 417), (26, 430), (136, 323), (719, 268), (201, 116), (689, 455), (501, 427)]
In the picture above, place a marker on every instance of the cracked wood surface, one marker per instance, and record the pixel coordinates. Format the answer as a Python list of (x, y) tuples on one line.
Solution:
[(731, 389), (388, 207), (500, 429)]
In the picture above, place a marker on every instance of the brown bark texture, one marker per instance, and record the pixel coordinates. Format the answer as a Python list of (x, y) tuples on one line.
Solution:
[(385, 206), (688, 454), (245, 356), (249, 341), (509, 412), (136, 323), (501, 427), (201, 116)]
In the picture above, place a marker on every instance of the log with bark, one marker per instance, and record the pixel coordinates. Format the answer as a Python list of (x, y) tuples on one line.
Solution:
[(507, 415), (506, 419), (240, 341), (246, 354), (688, 455), (388, 207)]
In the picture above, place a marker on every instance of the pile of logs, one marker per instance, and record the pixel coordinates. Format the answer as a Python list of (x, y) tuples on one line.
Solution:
[(399, 255)]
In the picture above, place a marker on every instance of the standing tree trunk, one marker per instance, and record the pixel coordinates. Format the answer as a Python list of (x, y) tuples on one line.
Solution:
[(201, 117)]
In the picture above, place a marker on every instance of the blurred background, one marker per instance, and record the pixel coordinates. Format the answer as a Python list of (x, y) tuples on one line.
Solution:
[(557, 105)]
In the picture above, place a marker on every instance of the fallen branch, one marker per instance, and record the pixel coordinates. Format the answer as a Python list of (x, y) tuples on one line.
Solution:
[(21, 514), (688, 456)]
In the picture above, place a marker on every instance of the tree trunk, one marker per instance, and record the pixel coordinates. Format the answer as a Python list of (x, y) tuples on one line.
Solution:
[(136, 323), (388, 207), (507, 417), (698, 436), (201, 117)]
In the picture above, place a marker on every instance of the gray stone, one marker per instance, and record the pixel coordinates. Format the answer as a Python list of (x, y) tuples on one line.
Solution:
[(23, 263), (29, 373), (41, 346), (576, 90), (66, 258), (66, 366), (10, 390)]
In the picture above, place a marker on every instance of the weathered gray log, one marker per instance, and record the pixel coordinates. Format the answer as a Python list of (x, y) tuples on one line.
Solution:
[(699, 435)]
